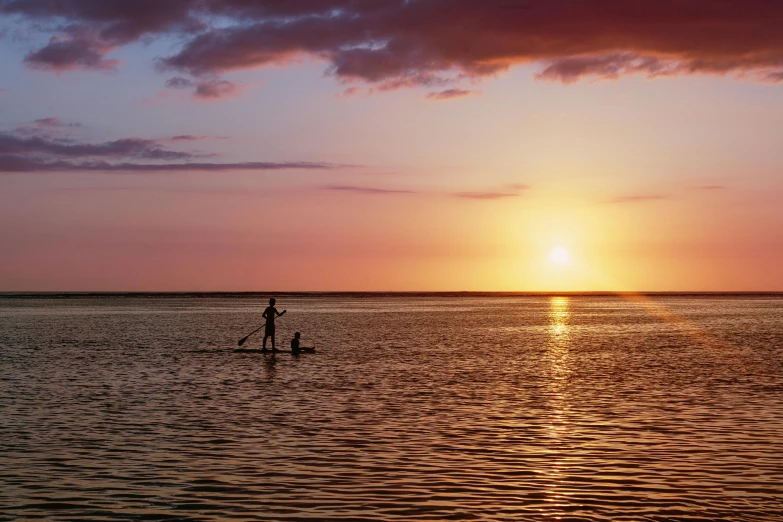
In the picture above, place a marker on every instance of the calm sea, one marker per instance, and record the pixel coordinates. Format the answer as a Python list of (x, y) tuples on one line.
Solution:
[(413, 408)]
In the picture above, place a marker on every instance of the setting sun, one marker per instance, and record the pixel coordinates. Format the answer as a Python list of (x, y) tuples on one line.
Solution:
[(559, 256)]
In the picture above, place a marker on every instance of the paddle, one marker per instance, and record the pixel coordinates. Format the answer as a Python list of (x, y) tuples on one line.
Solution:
[(245, 338)]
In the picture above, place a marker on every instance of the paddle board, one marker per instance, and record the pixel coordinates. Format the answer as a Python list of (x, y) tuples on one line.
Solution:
[(249, 350)]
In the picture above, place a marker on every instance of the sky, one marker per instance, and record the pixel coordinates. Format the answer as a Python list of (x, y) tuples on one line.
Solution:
[(391, 145)]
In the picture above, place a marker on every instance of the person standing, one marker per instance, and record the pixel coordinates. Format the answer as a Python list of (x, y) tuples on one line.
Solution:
[(270, 314)]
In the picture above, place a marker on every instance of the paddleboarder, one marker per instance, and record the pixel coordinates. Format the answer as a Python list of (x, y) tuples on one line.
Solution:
[(270, 314)]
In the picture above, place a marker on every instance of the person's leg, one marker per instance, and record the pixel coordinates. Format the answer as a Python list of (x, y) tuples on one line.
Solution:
[(273, 341), (265, 338)]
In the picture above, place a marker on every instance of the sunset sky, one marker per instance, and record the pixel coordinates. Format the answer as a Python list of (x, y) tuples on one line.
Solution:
[(242, 145)]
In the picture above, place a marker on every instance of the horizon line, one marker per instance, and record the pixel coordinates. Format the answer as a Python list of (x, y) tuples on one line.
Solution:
[(390, 293)]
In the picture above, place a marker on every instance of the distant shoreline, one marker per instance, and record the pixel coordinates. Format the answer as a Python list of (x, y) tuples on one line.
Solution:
[(256, 295)]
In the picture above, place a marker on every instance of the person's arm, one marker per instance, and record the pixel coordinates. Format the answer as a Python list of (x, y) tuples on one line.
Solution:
[(279, 313), (264, 315)]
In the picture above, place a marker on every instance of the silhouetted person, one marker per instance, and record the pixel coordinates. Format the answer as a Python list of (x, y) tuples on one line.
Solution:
[(296, 349), (270, 314)]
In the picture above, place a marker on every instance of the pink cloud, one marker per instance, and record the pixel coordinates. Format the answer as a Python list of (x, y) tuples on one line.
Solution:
[(350, 92), (164, 97), (367, 190), (449, 94), (640, 198), (511, 191), (486, 195)]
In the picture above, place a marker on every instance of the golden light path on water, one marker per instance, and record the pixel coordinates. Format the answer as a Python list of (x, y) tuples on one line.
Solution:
[(558, 351)]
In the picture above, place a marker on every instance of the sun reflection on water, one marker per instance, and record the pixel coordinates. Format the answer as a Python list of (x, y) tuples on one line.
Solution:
[(558, 319), (558, 354), (559, 337)]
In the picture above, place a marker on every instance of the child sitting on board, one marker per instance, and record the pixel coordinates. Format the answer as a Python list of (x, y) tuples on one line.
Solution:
[(295, 348)]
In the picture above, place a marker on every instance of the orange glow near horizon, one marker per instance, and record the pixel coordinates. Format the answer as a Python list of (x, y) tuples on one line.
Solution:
[(470, 194)]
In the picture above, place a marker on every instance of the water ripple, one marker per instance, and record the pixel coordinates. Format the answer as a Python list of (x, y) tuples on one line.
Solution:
[(426, 408)]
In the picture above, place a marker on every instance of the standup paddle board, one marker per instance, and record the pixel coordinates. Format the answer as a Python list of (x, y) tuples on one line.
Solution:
[(248, 350)]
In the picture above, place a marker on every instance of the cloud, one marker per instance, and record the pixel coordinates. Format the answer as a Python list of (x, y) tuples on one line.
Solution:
[(449, 94), (18, 163), (206, 89), (486, 195), (464, 195), (349, 92), (191, 137), (773, 76), (213, 89), (52, 122), (63, 54), (711, 187), (123, 148), (392, 44), (511, 191), (367, 190), (178, 82), (609, 66), (89, 29), (642, 198), (22, 152), (47, 127)]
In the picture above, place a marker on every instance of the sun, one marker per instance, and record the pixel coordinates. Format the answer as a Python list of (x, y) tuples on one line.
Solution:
[(559, 255)]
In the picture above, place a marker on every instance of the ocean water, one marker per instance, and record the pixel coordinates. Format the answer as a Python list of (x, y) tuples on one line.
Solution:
[(413, 408)]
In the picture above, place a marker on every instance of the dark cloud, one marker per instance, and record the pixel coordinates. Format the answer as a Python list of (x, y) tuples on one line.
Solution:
[(54, 123), (449, 94), (71, 53), (22, 152), (179, 82), (367, 190), (17, 163), (123, 148), (609, 66), (213, 89), (642, 198), (401, 43), (187, 137), (464, 195), (191, 137), (89, 29), (205, 89)]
